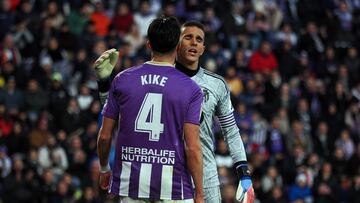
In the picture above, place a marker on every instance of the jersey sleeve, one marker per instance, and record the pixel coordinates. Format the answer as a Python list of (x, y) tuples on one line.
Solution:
[(111, 108), (224, 106), (229, 129), (194, 108)]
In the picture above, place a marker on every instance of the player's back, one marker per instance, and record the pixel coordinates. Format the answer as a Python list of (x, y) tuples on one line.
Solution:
[(154, 101)]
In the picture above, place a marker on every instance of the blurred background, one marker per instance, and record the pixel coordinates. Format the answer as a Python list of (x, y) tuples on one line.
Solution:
[(292, 67)]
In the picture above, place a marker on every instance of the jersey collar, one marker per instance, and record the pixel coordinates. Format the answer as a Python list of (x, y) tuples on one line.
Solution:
[(185, 70), (158, 63)]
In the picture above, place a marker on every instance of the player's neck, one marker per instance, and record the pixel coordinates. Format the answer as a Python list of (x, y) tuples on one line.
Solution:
[(192, 66), (163, 59), (184, 69)]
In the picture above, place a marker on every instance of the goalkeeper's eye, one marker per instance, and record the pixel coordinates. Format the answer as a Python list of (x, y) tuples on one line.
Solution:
[(199, 39), (188, 37)]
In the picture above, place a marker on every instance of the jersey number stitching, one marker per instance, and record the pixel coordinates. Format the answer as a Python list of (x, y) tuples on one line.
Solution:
[(148, 119)]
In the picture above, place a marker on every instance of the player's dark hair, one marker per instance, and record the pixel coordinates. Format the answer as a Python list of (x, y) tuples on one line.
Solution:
[(194, 24), (164, 34)]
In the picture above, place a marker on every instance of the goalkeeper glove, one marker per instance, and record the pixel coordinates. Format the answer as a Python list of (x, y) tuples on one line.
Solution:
[(245, 192), (105, 64)]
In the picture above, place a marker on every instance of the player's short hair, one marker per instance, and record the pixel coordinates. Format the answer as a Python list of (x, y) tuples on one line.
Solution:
[(194, 24), (164, 34)]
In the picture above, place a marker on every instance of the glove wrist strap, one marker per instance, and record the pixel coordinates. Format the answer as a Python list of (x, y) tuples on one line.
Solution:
[(104, 85), (242, 169)]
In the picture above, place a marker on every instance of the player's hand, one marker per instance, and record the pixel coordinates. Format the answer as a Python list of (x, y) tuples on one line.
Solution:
[(104, 180), (105, 64), (199, 199), (245, 191)]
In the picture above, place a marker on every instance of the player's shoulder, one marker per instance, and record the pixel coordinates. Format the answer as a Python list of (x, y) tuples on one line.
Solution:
[(127, 72), (124, 77), (181, 75), (215, 79), (184, 80)]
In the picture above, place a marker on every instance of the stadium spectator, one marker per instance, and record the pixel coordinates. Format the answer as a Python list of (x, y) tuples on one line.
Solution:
[(352, 62), (54, 14), (289, 64), (263, 60), (9, 52), (325, 185), (24, 40), (275, 142), (123, 19), (78, 18), (239, 62), (234, 82), (346, 144), (19, 186), (270, 180), (35, 99), (6, 163), (277, 196), (143, 17), (135, 40), (300, 191), (100, 19), (17, 141), (12, 97), (352, 120), (7, 18)]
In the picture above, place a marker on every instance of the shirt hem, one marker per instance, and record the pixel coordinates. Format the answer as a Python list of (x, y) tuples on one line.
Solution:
[(192, 122), (108, 115)]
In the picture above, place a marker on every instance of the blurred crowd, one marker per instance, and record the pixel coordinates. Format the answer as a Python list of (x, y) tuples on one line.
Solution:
[(292, 66)]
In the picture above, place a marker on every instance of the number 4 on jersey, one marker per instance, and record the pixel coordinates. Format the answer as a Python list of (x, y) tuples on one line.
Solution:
[(148, 120)]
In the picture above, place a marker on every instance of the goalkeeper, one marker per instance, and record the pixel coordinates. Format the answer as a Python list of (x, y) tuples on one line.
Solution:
[(216, 103)]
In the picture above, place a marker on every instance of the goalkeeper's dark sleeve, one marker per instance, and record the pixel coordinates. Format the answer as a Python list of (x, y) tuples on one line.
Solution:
[(103, 86)]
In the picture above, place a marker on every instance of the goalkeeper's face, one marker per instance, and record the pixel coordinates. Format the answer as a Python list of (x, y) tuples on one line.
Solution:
[(191, 45)]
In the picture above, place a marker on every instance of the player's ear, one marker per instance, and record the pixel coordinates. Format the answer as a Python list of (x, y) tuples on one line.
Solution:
[(148, 45), (177, 47)]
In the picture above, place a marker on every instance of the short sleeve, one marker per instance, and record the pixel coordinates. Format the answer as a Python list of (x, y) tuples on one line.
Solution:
[(224, 106), (194, 108), (111, 107)]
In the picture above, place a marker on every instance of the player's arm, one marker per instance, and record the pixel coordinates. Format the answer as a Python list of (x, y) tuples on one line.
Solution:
[(104, 66), (103, 149), (229, 129), (194, 157), (232, 137), (110, 114), (193, 150)]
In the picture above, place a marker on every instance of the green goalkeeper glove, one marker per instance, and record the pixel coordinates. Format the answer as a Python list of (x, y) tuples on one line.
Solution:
[(105, 64)]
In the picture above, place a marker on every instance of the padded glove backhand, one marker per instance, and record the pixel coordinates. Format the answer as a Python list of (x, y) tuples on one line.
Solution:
[(105, 64), (245, 192)]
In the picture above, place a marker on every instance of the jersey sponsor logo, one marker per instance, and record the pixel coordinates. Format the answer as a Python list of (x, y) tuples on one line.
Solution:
[(145, 155), (206, 94)]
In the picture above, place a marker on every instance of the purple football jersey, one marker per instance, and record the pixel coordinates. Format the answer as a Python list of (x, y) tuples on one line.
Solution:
[(152, 103)]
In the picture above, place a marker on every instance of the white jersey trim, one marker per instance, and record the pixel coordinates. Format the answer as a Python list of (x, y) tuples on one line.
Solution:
[(166, 182), (145, 180), (125, 178)]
